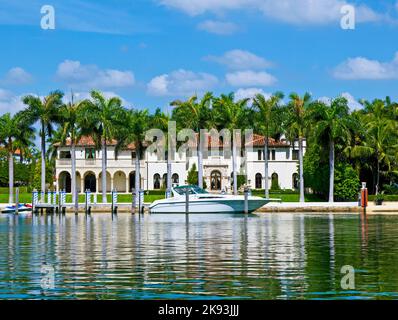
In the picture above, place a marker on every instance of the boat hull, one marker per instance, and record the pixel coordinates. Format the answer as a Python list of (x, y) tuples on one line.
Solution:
[(203, 206)]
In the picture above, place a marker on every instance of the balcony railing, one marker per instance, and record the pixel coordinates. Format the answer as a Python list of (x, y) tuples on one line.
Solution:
[(64, 162), (90, 162)]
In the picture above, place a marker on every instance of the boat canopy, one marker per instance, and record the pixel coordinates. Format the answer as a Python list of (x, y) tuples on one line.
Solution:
[(191, 190)]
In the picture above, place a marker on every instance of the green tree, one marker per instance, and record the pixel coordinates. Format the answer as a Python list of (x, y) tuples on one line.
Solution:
[(136, 124), (233, 115), (46, 112), (101, 119), (196, 115), (265, 124), (14, 132), (380, 139), (330, 125), (71, 130), (296, 129)]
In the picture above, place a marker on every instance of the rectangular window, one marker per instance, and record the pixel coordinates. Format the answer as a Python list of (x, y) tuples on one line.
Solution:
[(65, 155), (273, 154), (295, 154), (269, 155), (259, 153), (133, 155), (90, 153)]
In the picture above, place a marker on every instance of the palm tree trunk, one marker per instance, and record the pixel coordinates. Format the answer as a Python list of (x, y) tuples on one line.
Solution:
[(11, 177), (73, 183), (331, 166), (234, 174), (168, 173), (266, 168), (137, 178), (103, 150), (301, 169), (378, 177), (43, 160), (200, 164)]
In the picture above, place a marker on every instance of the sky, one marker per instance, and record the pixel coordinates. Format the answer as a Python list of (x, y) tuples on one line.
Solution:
[(151, 52)]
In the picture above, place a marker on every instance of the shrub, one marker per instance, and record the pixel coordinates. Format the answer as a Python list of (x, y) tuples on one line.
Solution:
[(347, 183)]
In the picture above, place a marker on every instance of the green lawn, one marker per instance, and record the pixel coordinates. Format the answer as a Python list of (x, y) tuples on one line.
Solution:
[(126, 198)]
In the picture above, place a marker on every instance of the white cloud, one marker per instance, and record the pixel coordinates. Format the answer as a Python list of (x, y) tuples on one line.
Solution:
[(10, 102), (250, 78), (361, 68), (181, 83), (17, 76), (288, 11), (240, 60), (352, 102), (82, 95), (218, 27), (91, 76), (250, 93)]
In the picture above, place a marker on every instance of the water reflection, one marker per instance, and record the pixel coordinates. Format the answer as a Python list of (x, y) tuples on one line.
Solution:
[(280, 256)]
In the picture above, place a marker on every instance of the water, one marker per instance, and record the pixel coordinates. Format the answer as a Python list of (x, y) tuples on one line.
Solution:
[(272, 256)]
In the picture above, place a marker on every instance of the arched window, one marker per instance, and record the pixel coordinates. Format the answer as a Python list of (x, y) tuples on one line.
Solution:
[(275, 181), (175, 179), (259, 181), (156, 181), (295, 181)]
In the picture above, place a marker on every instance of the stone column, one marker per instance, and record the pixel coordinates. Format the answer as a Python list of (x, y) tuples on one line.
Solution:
[(82, 184), (127, 184)]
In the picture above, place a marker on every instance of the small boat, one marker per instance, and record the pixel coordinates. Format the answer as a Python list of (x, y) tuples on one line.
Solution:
[(201, 201), (22, 208)]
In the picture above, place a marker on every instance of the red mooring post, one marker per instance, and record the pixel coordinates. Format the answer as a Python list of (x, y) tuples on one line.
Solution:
[(364, 196)]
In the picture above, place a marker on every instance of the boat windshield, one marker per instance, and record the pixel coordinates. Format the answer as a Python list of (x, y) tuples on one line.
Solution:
[(191, 190)]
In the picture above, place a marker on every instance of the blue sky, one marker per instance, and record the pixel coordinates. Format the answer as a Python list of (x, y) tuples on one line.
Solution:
[(150, 52)]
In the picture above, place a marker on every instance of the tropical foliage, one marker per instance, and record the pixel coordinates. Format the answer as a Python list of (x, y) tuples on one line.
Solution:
[(337, 147)]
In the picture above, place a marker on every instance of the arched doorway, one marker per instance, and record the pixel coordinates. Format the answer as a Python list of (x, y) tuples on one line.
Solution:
[(65, 182), (164, 181), (90, 182), (275, 181), (156, 181), (295, 181), (119, 181), (259, 181), (215, 180), (175, 179)]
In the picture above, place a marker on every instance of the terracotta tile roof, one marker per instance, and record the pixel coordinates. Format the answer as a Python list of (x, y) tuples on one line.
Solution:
[(258, 141), (87, 141), (16, 152)]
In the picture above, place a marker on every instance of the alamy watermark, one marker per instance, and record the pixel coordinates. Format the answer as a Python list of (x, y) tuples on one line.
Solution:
[(47, 21), (348, 280), (47, 281), (348, 20)]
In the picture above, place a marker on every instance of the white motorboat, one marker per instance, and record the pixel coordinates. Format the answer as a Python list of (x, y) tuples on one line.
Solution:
[(201, 201)]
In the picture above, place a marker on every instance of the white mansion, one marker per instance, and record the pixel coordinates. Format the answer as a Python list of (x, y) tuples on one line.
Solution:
[(217, 169)]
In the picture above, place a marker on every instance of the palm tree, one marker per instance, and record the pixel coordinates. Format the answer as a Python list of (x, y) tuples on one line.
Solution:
[(15, 133), (379, 138), (296, 129), (331, 124), (161, 121), (196, 115), (101, 118), (266, 110), (136, 124), (71, 130), (232, 114), (46, 112)]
